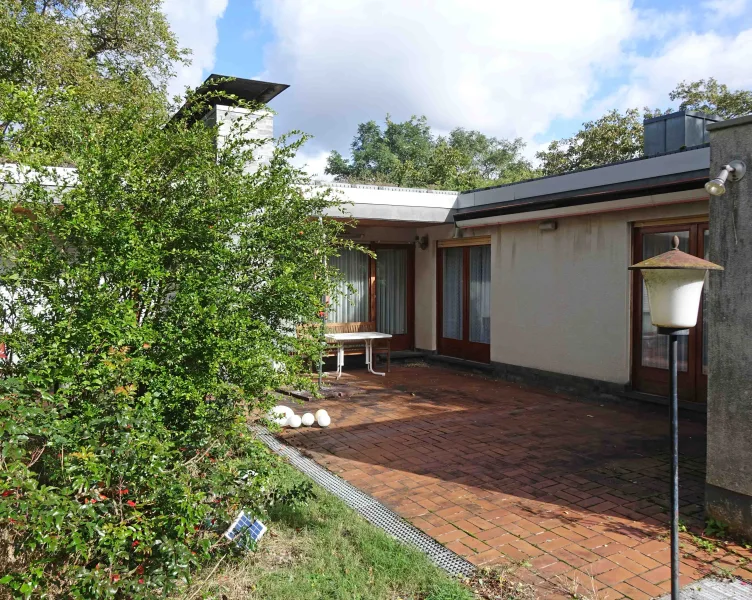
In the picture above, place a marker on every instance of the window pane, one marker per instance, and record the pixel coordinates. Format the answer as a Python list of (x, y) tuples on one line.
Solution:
[(452, 294), (348, 304), (480, 294), (654, 345), (705, 310), (391, 290)]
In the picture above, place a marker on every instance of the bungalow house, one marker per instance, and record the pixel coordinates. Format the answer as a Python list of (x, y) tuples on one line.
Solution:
[(531, 278)]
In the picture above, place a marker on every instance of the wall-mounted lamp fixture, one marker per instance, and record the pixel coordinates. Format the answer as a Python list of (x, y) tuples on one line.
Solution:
[(547, 226), (421, 242), (733, 171)]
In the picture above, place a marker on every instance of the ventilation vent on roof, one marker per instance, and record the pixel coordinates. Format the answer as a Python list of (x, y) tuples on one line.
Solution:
[(676, 131)]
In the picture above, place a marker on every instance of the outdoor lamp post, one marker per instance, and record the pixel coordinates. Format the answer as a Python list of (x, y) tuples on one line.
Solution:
[(674, 283)]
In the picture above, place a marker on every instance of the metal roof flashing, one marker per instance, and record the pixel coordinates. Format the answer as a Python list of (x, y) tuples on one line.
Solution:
[(683, 170)]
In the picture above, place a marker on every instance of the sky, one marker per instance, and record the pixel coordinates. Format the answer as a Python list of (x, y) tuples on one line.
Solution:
[(535, 70)]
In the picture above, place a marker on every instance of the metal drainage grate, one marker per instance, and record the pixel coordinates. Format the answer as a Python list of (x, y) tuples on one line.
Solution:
[(370, 508)]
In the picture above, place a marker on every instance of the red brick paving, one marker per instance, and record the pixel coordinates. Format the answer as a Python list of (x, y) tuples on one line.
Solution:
[(503, 473)]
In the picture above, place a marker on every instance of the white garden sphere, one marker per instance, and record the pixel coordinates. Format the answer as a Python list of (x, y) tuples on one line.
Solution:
[(323, 420), (320, 412), (280, 414), (294, 421), (308, 419)]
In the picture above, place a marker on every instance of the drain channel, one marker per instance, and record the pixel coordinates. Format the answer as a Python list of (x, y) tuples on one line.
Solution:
[(370, 508)]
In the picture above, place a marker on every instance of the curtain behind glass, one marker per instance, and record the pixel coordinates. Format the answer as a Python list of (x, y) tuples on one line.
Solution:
[(348, 306), (480, 294), (391, 290), (451, 322)]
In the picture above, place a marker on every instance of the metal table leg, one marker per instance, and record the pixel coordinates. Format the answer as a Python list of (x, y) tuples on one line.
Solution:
[(369, 358), (340, 359)]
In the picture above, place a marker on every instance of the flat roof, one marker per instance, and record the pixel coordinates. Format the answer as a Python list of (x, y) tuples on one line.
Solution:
[(676, 171)]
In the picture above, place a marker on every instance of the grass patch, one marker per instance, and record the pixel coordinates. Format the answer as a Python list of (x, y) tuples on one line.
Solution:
[(325, 550)]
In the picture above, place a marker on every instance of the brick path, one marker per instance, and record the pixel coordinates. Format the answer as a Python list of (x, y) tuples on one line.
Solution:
[(572, 490)]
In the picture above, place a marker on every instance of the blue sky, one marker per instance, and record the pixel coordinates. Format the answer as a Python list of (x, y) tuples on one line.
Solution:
[(510, 69)]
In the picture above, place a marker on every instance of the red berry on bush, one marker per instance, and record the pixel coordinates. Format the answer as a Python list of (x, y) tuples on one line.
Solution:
[(131, 503)]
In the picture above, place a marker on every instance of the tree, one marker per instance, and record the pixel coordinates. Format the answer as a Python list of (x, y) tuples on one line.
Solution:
[(614, 137), (407, 154), (711, 97), (105, 52), (618, 136), (148, 302)]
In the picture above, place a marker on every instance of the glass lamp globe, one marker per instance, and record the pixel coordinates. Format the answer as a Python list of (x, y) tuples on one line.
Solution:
[(716, 186), (674, 283)]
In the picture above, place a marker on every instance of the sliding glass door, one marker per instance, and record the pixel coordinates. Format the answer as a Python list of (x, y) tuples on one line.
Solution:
[(464, 298)]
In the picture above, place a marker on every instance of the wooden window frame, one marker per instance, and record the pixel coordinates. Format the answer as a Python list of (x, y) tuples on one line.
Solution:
[(464, 348)]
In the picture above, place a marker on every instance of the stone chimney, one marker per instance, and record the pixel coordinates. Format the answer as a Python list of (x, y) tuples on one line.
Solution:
[(224, 112)]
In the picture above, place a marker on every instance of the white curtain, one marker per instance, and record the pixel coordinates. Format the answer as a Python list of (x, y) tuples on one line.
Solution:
[(452, 294), (350, 305), (480, 294), (391, 290)]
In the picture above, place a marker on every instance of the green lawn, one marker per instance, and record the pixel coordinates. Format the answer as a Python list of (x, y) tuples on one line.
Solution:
[(325, 550)]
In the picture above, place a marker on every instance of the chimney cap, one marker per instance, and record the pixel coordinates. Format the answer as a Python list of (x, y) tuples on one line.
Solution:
[(250, 90)]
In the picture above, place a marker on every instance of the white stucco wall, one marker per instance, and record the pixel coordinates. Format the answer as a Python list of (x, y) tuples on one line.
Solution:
[(560, 299)]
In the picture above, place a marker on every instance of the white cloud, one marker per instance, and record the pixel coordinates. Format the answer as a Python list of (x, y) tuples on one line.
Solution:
[(506, 68), (194, 22), (685, 58), (722, 9), (313, 163)]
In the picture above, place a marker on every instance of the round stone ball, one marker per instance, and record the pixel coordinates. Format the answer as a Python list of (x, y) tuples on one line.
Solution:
[(294, 421), (323, 420), (279, 414), (308, 419), (320, 412)]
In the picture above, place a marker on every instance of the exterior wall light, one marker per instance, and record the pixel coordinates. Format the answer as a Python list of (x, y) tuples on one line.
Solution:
[(734, 171), (674, 283)]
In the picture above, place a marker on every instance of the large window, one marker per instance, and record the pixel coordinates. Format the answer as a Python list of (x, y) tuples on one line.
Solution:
[(379, 290), (351, 302)]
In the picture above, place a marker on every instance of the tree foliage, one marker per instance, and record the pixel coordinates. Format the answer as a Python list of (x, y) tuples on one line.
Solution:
[(714, 98), (408, 154), (614, 137), (618, 136), (100, 52), (148, 302)]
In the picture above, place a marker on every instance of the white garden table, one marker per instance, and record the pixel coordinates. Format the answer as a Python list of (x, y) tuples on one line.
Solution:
[(366, 337)]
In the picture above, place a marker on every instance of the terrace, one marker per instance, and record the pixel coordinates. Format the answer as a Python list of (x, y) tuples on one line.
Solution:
[(502, 473)]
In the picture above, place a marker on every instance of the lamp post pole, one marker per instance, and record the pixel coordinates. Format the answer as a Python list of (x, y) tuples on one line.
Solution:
[(673, 346), (674, 282)]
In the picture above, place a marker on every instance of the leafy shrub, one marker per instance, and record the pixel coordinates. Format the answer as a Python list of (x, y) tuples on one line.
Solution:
[(148, 303)]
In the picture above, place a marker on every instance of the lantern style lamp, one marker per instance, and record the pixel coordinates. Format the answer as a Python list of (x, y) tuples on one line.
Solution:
[(674, 283)]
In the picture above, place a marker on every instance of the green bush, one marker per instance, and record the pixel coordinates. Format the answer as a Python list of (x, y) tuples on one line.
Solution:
[(148, 305)]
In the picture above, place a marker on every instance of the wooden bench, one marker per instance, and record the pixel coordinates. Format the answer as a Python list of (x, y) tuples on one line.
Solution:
[(354, 348)]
